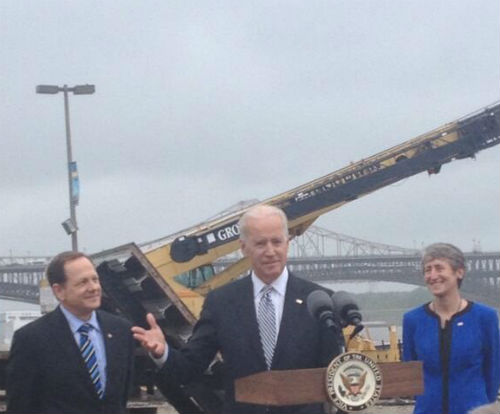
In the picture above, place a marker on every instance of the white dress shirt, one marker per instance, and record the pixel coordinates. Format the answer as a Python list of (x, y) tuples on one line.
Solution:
[(277, 294)]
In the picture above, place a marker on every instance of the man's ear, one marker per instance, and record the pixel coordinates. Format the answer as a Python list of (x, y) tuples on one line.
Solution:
[(58, 291), (243, 247)]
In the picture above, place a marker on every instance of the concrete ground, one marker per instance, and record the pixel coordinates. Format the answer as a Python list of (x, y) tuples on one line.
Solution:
[(382, 408), (389, 409)]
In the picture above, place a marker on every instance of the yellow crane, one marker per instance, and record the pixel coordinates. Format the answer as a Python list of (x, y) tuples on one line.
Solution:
[(152, 278)]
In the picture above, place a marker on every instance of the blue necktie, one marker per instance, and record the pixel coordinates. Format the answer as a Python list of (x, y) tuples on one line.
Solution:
[(266, 316), (90, 359)]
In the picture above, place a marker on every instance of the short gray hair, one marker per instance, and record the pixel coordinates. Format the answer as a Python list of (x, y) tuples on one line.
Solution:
[(262, 210), (447, 251), (452, 254)]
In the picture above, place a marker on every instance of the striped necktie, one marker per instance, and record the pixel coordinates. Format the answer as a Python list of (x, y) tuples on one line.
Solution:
[(266, 316), (89, 357)]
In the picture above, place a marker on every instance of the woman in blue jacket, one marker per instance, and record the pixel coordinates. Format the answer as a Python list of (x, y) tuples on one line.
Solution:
[(457, 340)]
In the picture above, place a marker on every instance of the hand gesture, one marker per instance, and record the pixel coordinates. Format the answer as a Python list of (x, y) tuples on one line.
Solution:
[(152, 340)]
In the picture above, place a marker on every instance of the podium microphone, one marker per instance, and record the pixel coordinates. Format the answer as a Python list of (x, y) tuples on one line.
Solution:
[(320, 306), (348, 311)]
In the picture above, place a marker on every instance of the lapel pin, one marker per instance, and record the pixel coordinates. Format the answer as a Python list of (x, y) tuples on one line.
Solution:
[(460, 323), (110, 336), (299, 301)]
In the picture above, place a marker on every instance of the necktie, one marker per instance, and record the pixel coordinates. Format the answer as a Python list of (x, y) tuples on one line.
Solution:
[(266, 315), (90, 359)]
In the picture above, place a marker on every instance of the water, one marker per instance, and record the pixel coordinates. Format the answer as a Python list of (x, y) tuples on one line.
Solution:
[(12, 305), (378, 334), (368, 287), (377, 331)]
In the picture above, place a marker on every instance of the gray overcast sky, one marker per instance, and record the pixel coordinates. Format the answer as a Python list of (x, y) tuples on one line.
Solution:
[(202, 104)]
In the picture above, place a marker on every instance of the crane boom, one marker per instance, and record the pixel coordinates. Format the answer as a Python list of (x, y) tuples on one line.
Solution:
[(159, 279), (203, 244)]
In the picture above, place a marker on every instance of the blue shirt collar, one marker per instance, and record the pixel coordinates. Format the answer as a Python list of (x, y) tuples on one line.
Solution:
[(75, 323)]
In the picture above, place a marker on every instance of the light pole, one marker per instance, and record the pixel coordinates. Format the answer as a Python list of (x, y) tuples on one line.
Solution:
[(69, 225)]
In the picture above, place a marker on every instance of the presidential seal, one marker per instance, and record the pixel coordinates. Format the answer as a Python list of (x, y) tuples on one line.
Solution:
[(353, 382)]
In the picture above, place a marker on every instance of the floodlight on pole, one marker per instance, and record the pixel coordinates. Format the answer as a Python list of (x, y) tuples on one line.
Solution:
[(69, 225), (50, 89)]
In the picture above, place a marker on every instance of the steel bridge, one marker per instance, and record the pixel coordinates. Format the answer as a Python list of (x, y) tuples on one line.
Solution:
[(481, 283), (20, 277), (319, 254)]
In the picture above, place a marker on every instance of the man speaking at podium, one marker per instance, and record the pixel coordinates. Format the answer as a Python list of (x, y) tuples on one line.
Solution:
[(257, 323)]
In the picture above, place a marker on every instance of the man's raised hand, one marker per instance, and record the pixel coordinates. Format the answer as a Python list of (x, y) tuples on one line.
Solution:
[(152, 339)]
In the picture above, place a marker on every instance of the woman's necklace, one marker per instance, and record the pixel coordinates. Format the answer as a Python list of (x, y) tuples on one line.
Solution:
[(445, 316)]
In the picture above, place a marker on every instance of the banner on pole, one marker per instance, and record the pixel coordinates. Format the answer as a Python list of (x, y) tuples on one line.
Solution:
[(75, 183)]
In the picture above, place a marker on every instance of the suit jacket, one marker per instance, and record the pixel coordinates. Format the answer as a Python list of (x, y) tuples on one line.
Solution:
[(228, 323), (46, 373)]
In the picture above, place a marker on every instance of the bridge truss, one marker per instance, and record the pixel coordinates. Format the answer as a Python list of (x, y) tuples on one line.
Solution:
[(318, 254)]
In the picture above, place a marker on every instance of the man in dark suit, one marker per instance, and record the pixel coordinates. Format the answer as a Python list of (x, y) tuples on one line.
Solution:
[(75, 359), (257, 323)]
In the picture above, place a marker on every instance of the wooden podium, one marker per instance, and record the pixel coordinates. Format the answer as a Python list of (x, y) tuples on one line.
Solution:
[(307, 386)]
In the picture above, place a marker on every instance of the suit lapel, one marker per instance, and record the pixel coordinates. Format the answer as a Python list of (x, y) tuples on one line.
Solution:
[(112, 344), (58, 327), (248, 317)]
